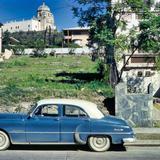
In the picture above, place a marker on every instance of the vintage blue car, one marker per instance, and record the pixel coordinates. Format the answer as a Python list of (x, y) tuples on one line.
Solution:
[(64, 121)]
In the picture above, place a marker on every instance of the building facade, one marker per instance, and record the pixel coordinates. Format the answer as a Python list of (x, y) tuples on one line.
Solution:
[(44, 20), (76, 35), (140, 70)]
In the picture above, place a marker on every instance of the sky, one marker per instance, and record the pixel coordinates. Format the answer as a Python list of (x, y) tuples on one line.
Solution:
[(11, 10)]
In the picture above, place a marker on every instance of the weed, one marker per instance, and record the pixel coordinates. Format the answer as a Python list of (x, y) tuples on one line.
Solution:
[(29, 79)]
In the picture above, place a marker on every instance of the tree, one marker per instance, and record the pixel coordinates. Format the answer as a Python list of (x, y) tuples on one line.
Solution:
[(57, 39), (158, 63), (39, 49), (18, 49), (108, 28), (6, 40), (27, 39)]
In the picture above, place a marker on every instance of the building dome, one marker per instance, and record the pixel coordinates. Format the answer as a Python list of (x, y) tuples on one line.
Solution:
[(44, 7)]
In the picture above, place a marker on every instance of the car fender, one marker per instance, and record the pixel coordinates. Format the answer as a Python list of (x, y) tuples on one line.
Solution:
[(115, 132), (14, 129), (82, 132)]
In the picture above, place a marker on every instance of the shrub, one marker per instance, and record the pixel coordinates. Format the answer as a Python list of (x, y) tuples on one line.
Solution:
[(39, 49)]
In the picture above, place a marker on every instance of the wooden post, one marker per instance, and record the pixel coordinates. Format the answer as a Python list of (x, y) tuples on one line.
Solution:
[(68, 36)]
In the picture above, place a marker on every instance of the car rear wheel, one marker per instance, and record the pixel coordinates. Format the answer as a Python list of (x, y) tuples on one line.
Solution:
[(99, 143), (4, 141)]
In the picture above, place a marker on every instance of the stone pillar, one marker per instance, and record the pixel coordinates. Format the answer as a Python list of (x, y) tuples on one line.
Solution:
[(136, 109), (120, 97)]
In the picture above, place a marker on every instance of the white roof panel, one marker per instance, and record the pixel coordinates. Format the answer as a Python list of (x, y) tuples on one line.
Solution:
[(90, 108)]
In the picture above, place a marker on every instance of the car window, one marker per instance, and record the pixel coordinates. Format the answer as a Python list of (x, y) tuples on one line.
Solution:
[(47, 110), (73, 111)]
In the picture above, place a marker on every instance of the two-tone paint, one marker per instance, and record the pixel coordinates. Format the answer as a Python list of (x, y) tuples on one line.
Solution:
[(32, 129)]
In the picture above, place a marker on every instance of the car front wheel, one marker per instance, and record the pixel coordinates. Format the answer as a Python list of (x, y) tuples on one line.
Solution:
[(99, 143), (4, 141)]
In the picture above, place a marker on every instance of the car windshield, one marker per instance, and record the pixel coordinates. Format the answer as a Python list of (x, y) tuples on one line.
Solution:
[(32, 108)]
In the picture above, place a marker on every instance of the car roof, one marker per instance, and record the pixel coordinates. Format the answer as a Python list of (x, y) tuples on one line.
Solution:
[(90, 108)]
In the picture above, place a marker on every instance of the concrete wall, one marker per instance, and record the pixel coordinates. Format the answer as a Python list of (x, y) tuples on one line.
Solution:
[(136, 109), (83, 39), (62, 50), (131, 78), (141, 83)]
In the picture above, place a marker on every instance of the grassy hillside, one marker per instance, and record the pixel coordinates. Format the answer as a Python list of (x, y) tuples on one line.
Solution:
[(26, 79)]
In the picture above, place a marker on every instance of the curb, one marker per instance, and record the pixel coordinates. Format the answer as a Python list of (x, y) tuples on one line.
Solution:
[(144, 143)]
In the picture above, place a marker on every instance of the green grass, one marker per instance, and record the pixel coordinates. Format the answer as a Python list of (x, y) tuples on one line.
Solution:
[(148, 136), (157, 124), (29, 79), (156, 105)]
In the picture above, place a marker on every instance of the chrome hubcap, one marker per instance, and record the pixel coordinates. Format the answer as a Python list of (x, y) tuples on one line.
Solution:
[(99, 142)]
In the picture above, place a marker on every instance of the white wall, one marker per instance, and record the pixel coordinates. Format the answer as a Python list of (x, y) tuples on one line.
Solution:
[(25, 25), (62, 51), (143, 81)]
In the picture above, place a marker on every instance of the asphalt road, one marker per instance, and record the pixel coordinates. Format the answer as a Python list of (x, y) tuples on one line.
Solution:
[(79, 153)]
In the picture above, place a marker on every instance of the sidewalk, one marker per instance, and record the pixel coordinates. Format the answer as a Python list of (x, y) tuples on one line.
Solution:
[(144, 143), (146, 137), (147, 130)]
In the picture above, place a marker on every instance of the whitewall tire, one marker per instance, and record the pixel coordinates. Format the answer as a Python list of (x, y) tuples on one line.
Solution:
[(4, 141), (99, 143)]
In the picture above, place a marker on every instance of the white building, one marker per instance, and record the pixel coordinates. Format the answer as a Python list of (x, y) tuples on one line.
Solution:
[(140, 70), (77, 35), (42, 21)]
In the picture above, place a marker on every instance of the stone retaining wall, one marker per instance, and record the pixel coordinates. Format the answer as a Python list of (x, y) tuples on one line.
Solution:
[(136, 109)]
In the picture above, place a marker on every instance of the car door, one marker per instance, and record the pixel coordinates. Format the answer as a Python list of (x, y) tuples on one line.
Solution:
[(44, 126), (74, 120)]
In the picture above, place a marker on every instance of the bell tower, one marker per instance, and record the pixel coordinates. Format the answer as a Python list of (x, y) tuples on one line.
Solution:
[(45, 17)]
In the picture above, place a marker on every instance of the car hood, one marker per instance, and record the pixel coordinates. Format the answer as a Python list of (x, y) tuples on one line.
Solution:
[(11, 116), (114, 120)]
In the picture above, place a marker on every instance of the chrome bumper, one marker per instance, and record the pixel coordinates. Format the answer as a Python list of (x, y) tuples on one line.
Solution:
[(129, 140)]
